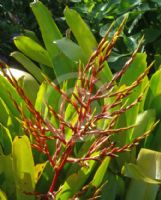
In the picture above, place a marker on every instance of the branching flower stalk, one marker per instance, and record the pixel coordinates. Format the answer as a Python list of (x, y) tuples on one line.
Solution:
[(83, 98)]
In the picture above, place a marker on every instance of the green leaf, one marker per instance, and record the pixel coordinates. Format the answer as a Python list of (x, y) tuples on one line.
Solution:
[(24, 170), (154, 93), (31, 34), (65, 70), (71, 50), (99, 175), (2, 195), (145, 175), (81, 31), (26, 82), (147, 171), (47, 95), (145, 158), (129, 118), (137, 67), (7, 180), (98, 179), (5, 140), (44, 179), (144, 122), (155, 143), (33, 50), (39, 104), (75, 181), (113, 188), (52, 97), (133, 171), (4, 109), (140, 190), (105, 74), (6, 89), (85, 39), (28, 65), (49, 29)]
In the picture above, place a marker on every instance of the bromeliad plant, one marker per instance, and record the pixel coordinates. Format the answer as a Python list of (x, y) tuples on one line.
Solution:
[(79, 138)]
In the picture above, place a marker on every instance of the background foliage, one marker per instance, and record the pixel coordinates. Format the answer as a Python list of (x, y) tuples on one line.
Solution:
[(138, 170), (16, 15), (144, 19)]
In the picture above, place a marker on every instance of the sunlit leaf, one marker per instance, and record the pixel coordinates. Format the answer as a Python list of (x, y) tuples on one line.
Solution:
[(75, 182), (81, 31), (49, 29), (5, 140), (33, 50), (154, 93), (24, 170), (71, 50), (28, 65), (2, 195)]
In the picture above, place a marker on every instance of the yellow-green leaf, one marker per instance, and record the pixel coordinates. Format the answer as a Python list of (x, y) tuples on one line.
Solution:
[(28, 65), (49, 29), (81, 31), (33, 50), (23, 165)]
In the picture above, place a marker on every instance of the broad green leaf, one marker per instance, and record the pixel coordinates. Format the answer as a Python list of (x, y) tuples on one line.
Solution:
[(6, 98), (33, 50), (145, 158), (81, 31), (75, 181), (47, 95), (31, 34), (28, 65), (3, 109), (38, 170), (7, 176), (154, 93), (155, 143), (99, 175), (133, 171), (48, 71), (39, 104), (141, 191), (26, 81), (53, 98), (71, 50), (146, 175), (49, 29), (144, 169), (70, 110), (5, 140), (113, 188), (105, 75), (129, 118), (23, 165), (98, 178), (5, 92), (144, 122), (45, 178), (7, 119), (137, 67), (85, 39), (2, 195), (157, 64), (65, 70)]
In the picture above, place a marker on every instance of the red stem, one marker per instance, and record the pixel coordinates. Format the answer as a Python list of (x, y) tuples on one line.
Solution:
[(58, 170)]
